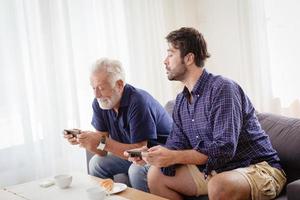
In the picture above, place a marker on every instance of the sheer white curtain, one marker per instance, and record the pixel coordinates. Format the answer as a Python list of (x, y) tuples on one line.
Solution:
[(283, 30), (38, 99), (272, 49), (46, 50)]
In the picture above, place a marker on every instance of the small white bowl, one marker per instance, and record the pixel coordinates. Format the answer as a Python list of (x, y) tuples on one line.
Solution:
[(63, 181), (96, 193)]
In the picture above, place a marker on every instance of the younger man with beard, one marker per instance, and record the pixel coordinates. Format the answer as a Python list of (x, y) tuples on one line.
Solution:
[(216, 145), (124, 118)]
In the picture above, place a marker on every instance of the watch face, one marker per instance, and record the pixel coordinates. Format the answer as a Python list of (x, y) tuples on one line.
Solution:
[(102, 140), (101, 145)]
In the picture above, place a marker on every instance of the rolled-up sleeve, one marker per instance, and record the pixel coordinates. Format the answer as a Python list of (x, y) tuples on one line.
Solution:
[(177, 139), (226, 122)]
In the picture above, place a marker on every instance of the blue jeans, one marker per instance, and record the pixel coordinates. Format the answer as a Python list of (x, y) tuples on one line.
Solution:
[(108, 166), (138, 177)]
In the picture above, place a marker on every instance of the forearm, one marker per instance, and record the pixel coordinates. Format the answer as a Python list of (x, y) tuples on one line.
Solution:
[(189, 157), (118, 148)]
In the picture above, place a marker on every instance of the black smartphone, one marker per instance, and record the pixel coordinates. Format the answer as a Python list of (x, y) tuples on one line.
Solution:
[(134, 153), (73, 132)]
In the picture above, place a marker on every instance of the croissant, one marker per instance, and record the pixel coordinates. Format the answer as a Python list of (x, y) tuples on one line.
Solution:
[(107, 184)]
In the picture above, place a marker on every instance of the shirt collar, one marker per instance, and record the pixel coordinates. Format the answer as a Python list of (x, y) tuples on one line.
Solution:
[(125, 96), (198, 87)]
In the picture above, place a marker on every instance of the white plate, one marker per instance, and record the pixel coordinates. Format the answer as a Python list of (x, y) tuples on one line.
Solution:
[(118, 187)]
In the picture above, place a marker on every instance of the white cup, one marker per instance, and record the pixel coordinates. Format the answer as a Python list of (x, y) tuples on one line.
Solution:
[(63, 181), (96, 193)]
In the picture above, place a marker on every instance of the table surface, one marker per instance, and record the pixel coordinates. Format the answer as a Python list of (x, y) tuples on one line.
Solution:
[(77, 190)]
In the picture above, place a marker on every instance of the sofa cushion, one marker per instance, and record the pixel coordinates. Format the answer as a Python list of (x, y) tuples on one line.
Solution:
[(169, 107), (284, 133)]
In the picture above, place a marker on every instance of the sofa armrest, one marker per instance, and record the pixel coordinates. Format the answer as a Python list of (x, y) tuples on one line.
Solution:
[(293, 190)]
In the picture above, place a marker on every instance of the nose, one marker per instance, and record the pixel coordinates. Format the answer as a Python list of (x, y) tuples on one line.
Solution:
[(97, 93), (166, 61)]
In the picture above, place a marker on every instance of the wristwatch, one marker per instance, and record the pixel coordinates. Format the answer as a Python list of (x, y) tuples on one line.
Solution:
[(101, 145)]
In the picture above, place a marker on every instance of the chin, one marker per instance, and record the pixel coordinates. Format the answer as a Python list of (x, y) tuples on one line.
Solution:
[(172, 78), (105, 107)]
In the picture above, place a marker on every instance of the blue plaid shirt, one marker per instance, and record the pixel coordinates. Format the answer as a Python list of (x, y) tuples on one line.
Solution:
[(220, 122)]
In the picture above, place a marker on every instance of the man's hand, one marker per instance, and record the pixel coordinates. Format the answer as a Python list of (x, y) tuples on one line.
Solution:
[(90, 140), (160, 156), (71, 139), (137, 160)]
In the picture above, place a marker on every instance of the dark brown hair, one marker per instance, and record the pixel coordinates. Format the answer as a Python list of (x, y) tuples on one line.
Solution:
[(189, 40)]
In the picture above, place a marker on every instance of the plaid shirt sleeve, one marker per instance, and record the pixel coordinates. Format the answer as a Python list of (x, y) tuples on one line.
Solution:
[(226, 120), (176, 140)]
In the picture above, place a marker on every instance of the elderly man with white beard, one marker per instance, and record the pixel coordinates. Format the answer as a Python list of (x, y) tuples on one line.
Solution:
[(124, 118)]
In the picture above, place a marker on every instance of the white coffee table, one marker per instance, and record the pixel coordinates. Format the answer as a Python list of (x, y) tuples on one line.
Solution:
[(77, 191), (6, 195)]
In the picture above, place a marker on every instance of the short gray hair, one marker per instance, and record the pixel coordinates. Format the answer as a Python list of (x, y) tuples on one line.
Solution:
[(112, 67)]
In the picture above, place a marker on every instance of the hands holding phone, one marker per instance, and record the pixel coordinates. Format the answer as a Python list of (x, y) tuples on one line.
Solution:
[(71, 135), (136, 155), (86, 139), (158, 156)]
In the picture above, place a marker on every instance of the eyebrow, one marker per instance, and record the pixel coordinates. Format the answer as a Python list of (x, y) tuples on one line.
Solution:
[(98, 85)]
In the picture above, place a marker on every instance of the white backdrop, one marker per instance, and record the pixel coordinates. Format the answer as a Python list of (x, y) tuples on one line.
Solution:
[(47, 46)]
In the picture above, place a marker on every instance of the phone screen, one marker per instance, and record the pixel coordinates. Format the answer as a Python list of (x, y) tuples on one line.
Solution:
[(133, 153), (74, 132)]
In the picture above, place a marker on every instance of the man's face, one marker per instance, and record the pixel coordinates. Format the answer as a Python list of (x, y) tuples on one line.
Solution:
[(176, 69), (107, 96)]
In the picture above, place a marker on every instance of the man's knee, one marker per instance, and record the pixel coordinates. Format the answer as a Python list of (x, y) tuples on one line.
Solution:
[(215, 188), (224, 186), (96, 165), (93, 165), (138, 177), (136, 172)]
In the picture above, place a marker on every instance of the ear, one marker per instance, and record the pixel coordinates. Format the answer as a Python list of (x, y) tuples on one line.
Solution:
[(120, 85), (189, 59)]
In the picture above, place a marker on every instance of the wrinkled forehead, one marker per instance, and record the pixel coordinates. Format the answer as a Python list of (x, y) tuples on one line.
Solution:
[(100, 78)]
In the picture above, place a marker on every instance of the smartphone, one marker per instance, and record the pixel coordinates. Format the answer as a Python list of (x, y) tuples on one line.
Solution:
[(134, 153), (73, 132)]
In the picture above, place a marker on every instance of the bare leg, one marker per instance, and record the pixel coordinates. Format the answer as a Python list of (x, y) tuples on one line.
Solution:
[(171, 187), (229, 185)]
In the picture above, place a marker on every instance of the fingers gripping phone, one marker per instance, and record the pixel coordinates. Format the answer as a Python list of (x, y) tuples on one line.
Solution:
[(73, 132)]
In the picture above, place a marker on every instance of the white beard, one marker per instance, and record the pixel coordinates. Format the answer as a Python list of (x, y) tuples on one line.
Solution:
[(106, 103)]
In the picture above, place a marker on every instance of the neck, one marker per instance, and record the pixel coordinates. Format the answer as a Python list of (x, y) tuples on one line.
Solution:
[(117, 106), (192, 77), (116, 109)]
